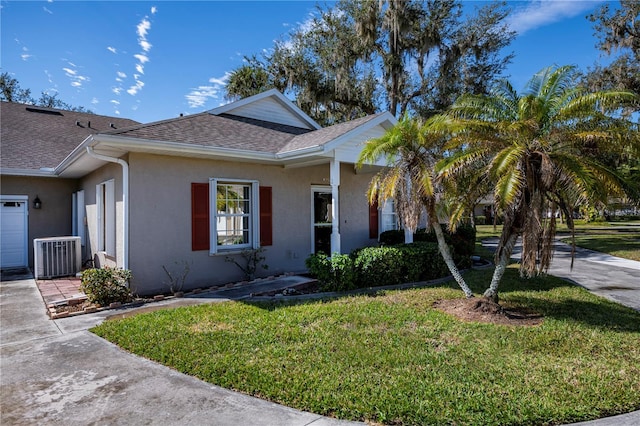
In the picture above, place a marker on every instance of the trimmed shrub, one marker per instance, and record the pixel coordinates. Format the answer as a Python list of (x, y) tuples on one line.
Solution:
[(376, 266), (106, 285), (392, 237), (422, 262), (335, 273)]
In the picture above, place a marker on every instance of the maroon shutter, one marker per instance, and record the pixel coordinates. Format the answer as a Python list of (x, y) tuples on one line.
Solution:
[(199, 216), (373, 220), (266, 216)]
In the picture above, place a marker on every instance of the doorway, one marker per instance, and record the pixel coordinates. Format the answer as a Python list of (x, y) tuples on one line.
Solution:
[(322, 220)]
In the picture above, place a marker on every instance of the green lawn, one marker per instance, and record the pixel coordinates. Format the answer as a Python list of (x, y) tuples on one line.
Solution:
[(391, 358)]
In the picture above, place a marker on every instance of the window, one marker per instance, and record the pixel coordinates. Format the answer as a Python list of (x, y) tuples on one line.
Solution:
[(388, 216), (234, 218), (240, 218)]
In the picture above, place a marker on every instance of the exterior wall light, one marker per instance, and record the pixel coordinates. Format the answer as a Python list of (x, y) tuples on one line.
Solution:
[(37, 204)]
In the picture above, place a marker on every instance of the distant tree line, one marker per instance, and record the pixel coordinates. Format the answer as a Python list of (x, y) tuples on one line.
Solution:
[(12, 92), (359, 57)]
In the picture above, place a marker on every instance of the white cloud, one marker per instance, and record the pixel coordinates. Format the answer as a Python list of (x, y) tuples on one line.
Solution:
[(112, 49), (47, 10), (95, 101), (25, 55), (77, 80), (199, 96), (115, 102), (116, 90), (141, 58), (143, 27), (121, 74), (49, 76), (133, 90), (539, 13)]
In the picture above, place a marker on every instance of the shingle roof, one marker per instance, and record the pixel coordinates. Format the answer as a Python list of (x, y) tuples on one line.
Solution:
[(229, 131), (325, 135), (34, 137), (220, 131)]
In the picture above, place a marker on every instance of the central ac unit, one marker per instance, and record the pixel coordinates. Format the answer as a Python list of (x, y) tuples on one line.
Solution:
[(57, 257)]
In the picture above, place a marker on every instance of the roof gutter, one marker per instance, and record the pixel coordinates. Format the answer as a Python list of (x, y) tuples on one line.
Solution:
[(125, 200)]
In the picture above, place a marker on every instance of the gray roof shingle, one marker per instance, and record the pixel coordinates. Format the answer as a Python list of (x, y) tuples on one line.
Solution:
[(34, 137), (220, 131)]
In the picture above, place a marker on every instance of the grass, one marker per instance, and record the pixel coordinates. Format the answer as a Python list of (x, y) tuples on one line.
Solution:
[(391, 358)]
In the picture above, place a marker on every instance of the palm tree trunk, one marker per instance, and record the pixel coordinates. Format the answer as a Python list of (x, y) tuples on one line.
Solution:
[(448, 259), (501, 267)]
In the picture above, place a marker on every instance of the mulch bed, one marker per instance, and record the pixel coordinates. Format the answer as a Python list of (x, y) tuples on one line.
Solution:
[(479, 309)]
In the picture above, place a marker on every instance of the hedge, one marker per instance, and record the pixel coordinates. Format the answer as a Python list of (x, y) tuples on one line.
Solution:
[(378, 266)]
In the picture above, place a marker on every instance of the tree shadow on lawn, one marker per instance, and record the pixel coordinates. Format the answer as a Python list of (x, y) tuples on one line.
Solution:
[(530, 293)]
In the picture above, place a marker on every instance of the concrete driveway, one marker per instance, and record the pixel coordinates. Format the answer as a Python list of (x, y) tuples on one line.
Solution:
[(57, 372), (605, 275)]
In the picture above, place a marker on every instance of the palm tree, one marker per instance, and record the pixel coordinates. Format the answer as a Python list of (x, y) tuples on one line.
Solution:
[(543, 150), (409, 178)]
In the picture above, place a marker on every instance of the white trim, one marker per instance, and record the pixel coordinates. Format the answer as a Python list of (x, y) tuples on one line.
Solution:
[(25, 238), (254, 215), (324, 189), (28, 172), (272, 93), (106, 202)]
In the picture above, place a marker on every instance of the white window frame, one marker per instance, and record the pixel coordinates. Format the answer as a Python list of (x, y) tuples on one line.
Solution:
[(254, 214), (106, 216), (388, 209)]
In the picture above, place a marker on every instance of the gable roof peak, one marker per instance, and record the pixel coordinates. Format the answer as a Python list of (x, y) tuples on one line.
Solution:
[(270, 105)]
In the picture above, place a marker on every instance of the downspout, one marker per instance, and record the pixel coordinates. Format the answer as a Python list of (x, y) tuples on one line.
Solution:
[(125, 200)]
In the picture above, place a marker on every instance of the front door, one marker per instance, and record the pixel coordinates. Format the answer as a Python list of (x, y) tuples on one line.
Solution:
[(321, 219)]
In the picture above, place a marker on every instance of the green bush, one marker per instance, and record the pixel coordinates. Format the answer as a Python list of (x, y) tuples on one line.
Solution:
[(335, 273), (422, 262), (378, 266), (106, 285), (392, 237), (462, 242)]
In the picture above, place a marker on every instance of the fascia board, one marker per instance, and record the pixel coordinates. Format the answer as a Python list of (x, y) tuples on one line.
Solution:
[(282, 99), (301, 152), (340, 140), (335, 143), (148, 145), (77, 153), (27, 172)]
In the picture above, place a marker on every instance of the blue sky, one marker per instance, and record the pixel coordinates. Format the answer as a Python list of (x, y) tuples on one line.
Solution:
[(150, 61)]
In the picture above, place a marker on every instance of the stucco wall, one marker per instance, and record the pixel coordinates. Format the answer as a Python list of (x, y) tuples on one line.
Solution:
[(54, 218), (160, 217), (108, 172)]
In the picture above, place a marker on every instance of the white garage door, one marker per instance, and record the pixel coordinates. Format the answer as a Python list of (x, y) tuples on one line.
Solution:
[(13, 231)]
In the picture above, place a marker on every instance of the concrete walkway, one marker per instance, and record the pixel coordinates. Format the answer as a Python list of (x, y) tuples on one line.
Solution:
[(57, 372)]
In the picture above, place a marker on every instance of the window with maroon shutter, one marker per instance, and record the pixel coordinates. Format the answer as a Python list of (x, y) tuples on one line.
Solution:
[(266, 216), (373, 220), (200, 216)]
